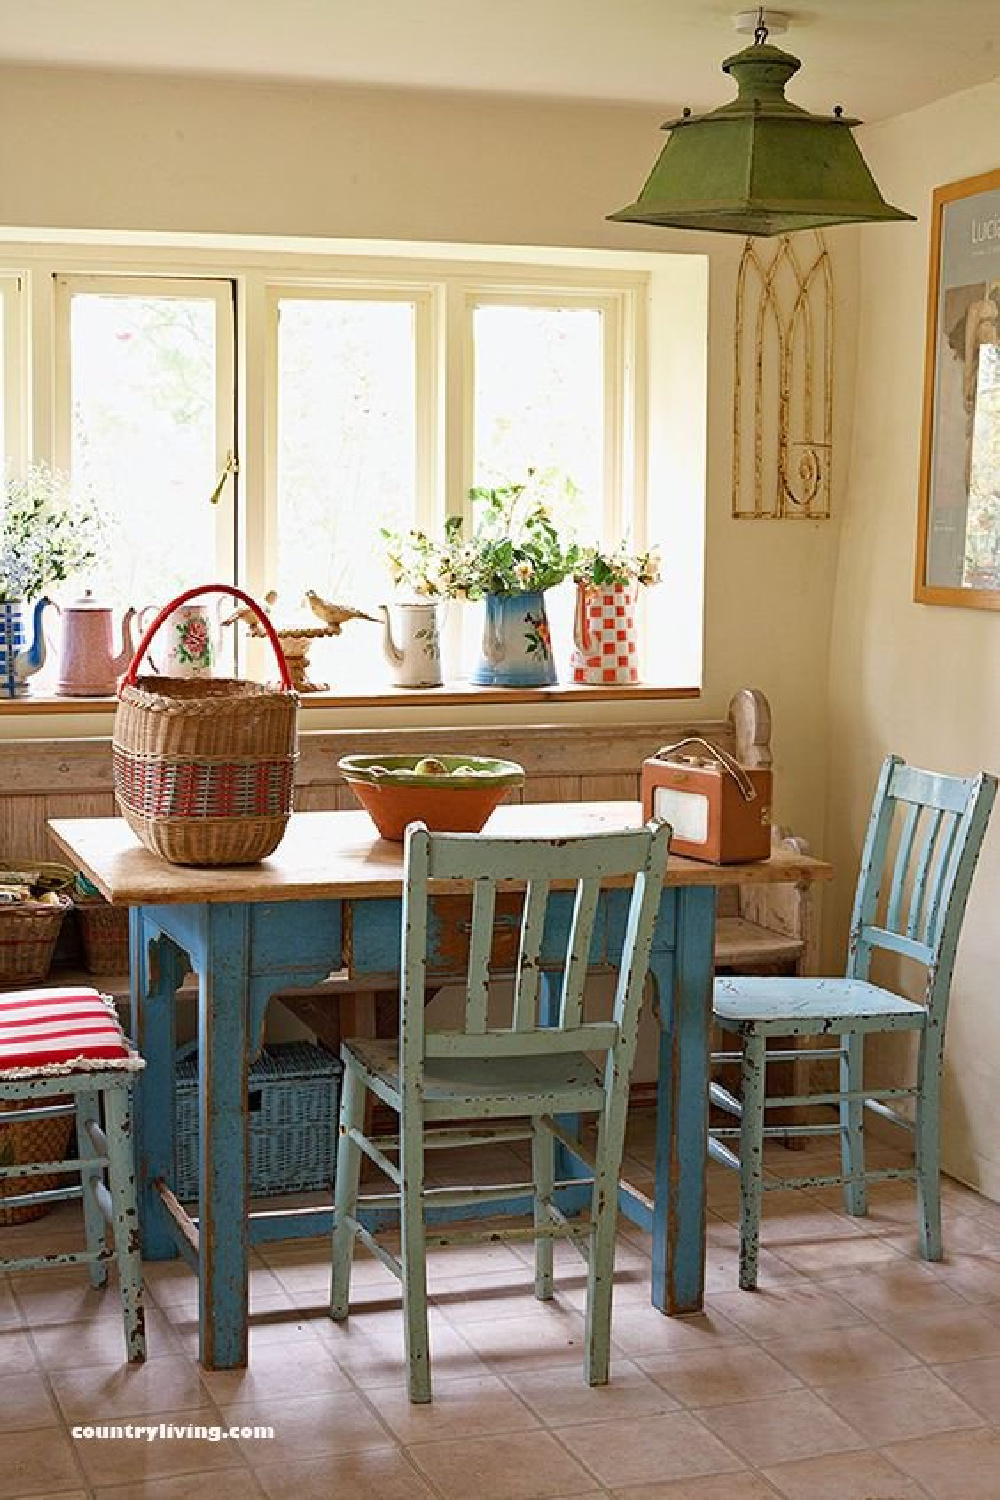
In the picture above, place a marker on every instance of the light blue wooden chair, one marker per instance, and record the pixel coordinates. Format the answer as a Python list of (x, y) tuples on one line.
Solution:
[(919, 855), (527, 1070), (55, 1043)]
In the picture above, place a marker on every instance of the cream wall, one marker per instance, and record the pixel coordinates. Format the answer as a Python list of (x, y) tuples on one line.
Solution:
[(83, 150), (916, 679)]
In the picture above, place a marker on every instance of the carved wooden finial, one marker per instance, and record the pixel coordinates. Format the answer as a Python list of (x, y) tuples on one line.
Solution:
[(750, 714)]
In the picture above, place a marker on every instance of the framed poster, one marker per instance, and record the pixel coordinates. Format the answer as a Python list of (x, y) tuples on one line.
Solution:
[(958, 528)]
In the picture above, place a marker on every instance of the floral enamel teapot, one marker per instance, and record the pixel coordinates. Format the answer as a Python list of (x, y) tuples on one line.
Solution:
[(189, 643)]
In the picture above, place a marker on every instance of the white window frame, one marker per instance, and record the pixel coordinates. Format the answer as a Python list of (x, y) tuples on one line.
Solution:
[(657, 419), (623, 472), (262, 499), (218, 291), (16, 365)]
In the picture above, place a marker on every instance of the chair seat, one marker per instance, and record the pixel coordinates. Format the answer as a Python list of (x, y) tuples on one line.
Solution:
[(513, 1081), (794, 1005), (48, 1028)]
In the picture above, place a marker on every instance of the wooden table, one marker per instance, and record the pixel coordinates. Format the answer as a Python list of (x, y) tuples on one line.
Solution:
[(328, 898)]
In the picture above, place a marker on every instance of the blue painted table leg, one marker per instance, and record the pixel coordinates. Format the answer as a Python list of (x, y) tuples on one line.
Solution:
[(222, 1092), (157, 968), (682, 1105)]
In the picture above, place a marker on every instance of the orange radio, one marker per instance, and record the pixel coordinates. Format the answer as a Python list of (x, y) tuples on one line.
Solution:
[(719, 810)]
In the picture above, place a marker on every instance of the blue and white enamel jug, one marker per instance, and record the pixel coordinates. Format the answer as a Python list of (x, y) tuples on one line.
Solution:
[(19, 661), (516, 650)]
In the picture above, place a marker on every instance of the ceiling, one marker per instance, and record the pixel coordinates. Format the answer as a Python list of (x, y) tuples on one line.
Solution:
[(876, 57)]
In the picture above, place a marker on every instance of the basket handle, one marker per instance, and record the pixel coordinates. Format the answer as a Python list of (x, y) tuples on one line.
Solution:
[(207, 588)]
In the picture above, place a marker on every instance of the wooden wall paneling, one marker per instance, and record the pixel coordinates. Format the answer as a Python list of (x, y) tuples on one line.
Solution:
[(22, 828), (613, 788), (552, 789)]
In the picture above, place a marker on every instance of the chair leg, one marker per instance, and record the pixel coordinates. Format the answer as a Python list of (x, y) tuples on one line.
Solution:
[(604, 1219), (345, 1191), (928, 1146), (852, 1125), (543, 1164), (125, 1216), (414, 1253), (88, 1112), (752, 1077)]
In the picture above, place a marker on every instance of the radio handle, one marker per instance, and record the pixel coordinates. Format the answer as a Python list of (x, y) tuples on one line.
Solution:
[(728, 763)]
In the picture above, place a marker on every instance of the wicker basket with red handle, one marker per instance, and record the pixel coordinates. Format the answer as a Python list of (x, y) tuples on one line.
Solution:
[(204, 767)]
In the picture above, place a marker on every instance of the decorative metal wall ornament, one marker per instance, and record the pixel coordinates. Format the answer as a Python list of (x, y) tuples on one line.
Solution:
[(760, 164), (783, 382)]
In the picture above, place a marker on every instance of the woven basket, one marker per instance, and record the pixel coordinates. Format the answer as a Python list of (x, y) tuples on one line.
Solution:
[(35, 1140), (28, 934), (204, 767), (104, 930)]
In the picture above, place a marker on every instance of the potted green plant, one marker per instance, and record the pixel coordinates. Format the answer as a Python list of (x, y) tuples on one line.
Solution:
[(513, 555), (605, 638), (45, 537)]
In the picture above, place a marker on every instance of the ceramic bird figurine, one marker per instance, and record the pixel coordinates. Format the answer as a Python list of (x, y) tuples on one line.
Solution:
[(245, 615), (334, 615)]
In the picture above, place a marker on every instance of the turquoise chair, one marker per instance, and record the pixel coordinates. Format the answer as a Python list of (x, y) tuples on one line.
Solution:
[(56, 1043), (441, 1083), (916, 869)]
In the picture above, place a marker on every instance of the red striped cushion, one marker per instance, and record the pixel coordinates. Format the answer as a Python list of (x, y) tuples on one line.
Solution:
[(40, 1027)]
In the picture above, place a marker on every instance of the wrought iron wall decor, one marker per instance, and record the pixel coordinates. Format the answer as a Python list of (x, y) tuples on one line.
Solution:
[(783, 384)]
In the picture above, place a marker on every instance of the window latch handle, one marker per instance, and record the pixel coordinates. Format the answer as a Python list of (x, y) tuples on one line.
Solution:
[(231, 466)]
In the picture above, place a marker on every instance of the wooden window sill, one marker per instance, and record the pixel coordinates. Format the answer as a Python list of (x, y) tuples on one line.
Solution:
[(451, 693)]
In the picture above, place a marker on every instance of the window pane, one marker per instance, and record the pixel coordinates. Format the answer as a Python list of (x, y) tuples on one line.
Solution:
[(3, 386), (539, 404), (143, 438), (346, 461)]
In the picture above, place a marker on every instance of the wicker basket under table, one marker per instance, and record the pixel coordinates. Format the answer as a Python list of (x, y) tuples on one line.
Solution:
[(104, 930), (26, 1142), (293, 1104), (29, 931)]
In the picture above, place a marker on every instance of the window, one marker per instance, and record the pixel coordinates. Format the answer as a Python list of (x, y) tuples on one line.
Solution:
[(145, 425), (538, 394), (347, 453), (260, 418), (11, 374)]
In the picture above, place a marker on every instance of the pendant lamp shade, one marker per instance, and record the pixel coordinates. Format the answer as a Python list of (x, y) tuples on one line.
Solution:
[(760, 165)]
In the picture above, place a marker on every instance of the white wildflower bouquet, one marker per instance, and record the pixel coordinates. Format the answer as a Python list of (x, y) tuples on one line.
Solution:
[(45, 534), (514, 549)]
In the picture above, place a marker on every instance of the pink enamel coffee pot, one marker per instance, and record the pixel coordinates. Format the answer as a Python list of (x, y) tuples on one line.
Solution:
[(88, 666)]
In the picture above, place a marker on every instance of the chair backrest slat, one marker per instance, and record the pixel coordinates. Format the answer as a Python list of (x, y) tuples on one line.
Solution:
[(595, 1036), (581, 936), (528, 974), (484, 894), (897, 942), (932, 828), (929, 788), (903, 856), (937, 868), (938, 882), (638, 856)]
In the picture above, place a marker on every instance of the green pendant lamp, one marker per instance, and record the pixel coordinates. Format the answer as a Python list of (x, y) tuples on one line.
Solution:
[(760, 165)]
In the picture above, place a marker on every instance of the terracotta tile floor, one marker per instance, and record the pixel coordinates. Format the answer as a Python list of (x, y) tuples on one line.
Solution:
[(856, 1372)]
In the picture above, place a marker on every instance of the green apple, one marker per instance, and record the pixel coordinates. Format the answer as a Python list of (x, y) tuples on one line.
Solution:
[(430, 766)]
